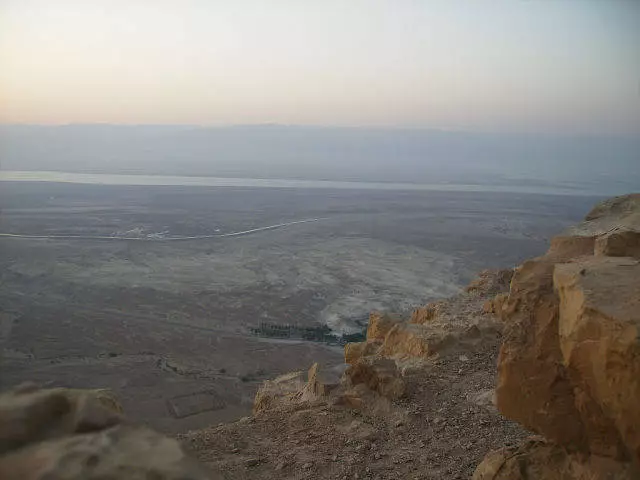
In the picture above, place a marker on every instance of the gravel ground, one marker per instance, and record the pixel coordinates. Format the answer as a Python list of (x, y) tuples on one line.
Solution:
[(441, 430)]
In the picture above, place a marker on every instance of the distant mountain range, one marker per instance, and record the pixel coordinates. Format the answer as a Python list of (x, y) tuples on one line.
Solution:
[(605, 165)]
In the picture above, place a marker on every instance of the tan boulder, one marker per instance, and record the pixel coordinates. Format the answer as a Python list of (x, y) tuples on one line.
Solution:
[(29, 415), (80, 434), (321, 381), (565, 247), (537, 459), (619, 243), (425, 314), (411, 340), (296, 387), (120, 452), (533, 387), (380, 324), (544, 382), (279, 392), (600, 343), (355, 351), (415, 340), (378, 374)]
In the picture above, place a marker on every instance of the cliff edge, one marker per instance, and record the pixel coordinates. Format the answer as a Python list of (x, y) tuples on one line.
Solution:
[(415, 400), (569, 365)]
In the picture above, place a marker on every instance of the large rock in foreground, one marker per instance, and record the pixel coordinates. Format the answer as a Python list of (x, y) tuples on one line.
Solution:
[(599, 334), (533, 386), (120, 452), (29, 415), (81, 434), (569, 366)]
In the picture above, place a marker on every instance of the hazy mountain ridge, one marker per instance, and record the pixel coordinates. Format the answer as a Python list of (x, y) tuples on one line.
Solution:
[(608, 164)]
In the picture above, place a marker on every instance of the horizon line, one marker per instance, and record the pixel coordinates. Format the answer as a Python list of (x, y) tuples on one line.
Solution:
[(328, 127)]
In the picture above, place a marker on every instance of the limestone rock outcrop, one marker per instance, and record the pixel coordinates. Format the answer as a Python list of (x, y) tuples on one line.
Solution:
[(533, 387), (356, 350), (416, 340), (321, 384), (81, 434), (279, 391), (378, 374), (321, 381), (569, 365), (438, 328), (599, 334), (618, 243), (380, 324)]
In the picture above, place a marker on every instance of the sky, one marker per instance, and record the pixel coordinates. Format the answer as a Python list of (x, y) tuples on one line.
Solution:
[(527, 66)]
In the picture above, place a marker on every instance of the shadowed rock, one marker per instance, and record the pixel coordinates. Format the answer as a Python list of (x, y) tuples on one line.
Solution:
[(80, 434), (378, 374)]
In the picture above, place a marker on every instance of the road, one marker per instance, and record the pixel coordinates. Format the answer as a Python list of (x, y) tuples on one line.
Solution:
[(162, 239)]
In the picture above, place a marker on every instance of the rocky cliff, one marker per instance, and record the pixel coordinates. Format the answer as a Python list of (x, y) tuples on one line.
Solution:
[(415, 400), (569, 365), (420, 398)]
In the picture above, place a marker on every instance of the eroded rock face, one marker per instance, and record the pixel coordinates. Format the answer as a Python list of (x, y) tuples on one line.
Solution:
[(81, 434), (380, 324), (355, 351), (378, 374), (618, 243), (321, 381), (599, 334), (416, 340), (569, 366), (533, 386), (438, 328), (279, 391)]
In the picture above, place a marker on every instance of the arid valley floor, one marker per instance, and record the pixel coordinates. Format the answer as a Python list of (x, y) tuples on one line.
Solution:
[(167, 324)]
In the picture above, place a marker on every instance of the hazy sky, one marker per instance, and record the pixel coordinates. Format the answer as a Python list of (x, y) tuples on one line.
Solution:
[(552, 66)]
